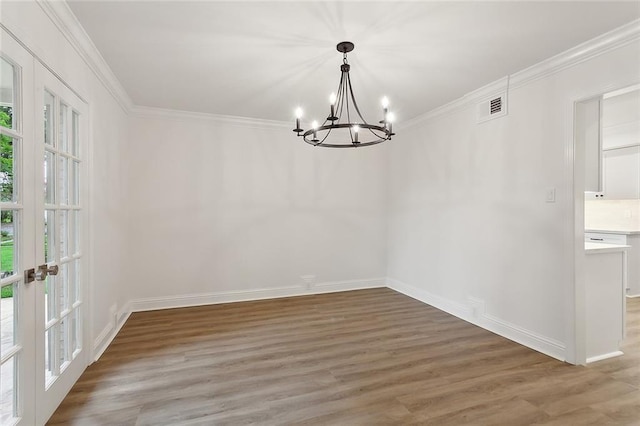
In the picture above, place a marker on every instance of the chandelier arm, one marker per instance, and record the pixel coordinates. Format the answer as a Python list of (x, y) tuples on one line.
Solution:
[(339, 96), (325, 136), (385, 135), (343, 100), (346, 96), (341, 93), (349, 119), (353, 99)]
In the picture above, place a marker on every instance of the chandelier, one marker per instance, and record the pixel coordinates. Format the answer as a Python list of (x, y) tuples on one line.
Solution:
[(351, 129)]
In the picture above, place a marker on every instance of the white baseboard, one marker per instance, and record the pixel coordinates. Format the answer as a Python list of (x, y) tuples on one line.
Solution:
[(474, 312), (528, 338), (181, 301), (604, 356), (348, 285), (456, 309), (106, 336), (102, 341)]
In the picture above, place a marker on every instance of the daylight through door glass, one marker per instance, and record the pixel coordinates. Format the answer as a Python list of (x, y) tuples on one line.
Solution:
[(61, 243), (10, 226)]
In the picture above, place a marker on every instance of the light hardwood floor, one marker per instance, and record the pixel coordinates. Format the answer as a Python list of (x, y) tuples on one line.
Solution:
[(364, 357)]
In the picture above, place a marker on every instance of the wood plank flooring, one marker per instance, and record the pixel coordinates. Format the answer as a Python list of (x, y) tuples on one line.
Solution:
[(369, 357)]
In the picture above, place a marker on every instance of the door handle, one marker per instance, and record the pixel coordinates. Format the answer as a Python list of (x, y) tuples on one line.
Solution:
[(31, 275), (51, 270)]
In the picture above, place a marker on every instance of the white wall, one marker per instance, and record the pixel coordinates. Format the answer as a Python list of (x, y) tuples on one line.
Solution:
[(108, 127), (469, 228), (220, 207)]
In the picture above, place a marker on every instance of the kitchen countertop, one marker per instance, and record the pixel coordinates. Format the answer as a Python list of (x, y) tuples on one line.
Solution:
[(591, 248), (615, 231)]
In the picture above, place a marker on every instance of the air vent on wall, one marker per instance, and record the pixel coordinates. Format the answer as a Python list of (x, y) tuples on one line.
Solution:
[(496, 105), (493, 107)]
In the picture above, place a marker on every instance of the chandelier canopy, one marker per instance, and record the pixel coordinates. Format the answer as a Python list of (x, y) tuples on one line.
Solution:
[(350, 128)]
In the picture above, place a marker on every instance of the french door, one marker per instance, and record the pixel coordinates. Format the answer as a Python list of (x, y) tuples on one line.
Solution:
[(42, 271)]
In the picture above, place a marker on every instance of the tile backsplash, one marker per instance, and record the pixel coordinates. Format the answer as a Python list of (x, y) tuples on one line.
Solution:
[(613, 215)]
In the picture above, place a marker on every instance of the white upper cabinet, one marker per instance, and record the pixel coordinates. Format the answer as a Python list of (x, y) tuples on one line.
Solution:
[(588, 125), (620, 142), (621, 120), (621, 173)]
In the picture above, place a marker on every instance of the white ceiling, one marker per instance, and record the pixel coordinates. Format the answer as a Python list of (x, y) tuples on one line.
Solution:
[(262, 59)]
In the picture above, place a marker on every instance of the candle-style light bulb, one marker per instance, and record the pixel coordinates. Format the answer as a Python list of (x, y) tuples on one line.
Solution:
[(314, 126), (332, 101), (391, 117), (356, 129), (298, 113), (385, 109)]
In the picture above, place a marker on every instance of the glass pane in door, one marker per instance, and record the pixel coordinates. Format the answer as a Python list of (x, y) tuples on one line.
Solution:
[(76, 296), (63, 346), (7, 167), (7, 94), (64, 233), (8, 390), (49, 103), (75, 137), (74, 178), (49, 356), (64, 127), (8, 312), (49, 236), (63, 289), (49, 177), (8, 243), (63, 188)]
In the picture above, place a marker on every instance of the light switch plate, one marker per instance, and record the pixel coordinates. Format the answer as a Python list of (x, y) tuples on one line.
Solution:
[(550, 196)]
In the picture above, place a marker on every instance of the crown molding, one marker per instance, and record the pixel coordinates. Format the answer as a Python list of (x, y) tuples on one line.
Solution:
[(597, 46), (172, 114), (583, 52), (67, 23)]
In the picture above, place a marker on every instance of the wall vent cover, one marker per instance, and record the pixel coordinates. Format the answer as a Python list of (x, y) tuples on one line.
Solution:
[(493, 107)]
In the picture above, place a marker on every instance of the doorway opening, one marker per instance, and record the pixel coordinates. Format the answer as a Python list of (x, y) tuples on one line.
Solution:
[(607, 219)]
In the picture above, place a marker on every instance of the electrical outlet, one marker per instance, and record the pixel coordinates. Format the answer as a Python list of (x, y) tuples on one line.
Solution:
[(308, 281), (477, 307)]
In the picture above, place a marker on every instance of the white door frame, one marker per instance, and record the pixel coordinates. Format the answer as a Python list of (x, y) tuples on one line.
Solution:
[(575, 330)]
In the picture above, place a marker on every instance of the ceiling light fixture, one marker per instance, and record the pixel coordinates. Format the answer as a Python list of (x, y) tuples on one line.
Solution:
[(352, 130)]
